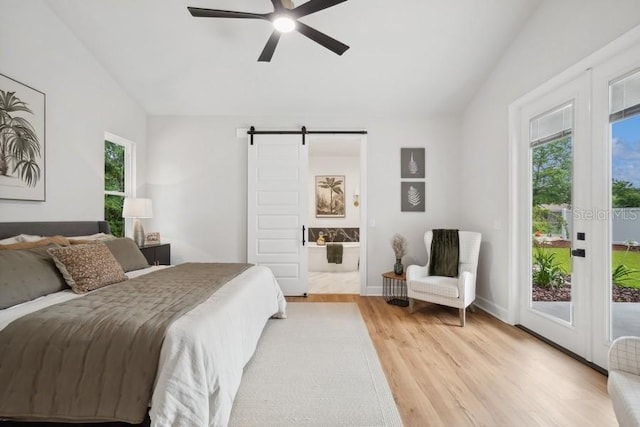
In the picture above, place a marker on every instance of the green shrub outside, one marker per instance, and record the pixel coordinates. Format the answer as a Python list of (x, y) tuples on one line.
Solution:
[(630, 273)]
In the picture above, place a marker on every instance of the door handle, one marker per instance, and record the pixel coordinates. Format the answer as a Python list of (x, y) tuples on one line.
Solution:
[(303, 241), (578, 252)]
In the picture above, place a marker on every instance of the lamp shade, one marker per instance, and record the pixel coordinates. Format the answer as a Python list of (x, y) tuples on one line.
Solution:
[(137, 208)]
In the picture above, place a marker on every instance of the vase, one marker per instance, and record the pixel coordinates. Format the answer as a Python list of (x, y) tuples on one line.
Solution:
[(398, 268)]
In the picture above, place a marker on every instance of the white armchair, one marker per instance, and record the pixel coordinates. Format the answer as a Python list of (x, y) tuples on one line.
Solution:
[(624, 380), (458, 291)]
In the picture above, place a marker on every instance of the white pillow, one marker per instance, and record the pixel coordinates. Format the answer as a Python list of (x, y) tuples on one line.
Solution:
[(10, 240), (21, 238), (30, 238), (97, 236)]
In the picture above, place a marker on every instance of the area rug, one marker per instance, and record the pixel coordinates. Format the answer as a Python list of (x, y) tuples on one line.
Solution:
[(316, 368)]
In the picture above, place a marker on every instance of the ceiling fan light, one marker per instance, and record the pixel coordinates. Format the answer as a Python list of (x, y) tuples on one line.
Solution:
[(284, 24)]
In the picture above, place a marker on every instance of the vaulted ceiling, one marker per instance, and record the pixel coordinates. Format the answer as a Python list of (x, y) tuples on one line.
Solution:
[(411, 57)]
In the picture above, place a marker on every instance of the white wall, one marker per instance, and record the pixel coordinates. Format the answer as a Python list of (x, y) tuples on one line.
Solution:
[(82, 102), (559, 34), (197, 178), (349, 167), (197, 166)]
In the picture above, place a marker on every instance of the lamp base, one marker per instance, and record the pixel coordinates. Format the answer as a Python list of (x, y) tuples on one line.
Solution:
[(138, 233)]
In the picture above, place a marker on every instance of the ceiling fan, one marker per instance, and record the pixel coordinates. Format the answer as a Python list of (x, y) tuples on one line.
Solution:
[(285, 19)]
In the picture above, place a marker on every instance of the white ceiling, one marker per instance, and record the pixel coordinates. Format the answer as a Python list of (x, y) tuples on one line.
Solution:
[(411, 57)]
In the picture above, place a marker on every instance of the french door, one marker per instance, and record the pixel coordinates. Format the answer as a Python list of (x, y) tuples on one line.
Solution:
[(277, 208), (616, 123), (555, 167), (578, 203)]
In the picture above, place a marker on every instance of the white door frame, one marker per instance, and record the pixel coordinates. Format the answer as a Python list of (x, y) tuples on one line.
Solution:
[(364, 202), (363, 197), (599, 317)]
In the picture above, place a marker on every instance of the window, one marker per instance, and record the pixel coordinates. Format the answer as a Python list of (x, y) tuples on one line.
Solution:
[(118, 180)]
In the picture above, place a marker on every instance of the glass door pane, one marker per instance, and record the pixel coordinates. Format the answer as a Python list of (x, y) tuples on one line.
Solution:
[(551, 219), (625, 225)]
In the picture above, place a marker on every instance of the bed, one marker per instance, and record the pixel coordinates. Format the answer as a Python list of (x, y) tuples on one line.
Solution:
[(203, 351)]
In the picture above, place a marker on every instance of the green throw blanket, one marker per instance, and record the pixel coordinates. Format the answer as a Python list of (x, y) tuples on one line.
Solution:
[(334, 253), (445, 253)]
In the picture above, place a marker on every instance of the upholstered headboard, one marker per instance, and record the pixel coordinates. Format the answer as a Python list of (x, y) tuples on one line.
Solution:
[(63, 228)]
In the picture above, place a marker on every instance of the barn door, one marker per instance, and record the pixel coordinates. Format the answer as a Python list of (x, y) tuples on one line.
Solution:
[(277, 209)]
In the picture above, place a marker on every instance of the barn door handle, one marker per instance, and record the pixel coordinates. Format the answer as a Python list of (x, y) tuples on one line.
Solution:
[(303, 241)]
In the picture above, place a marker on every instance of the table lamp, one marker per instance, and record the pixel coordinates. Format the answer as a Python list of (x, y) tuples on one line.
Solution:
[(137, 208)]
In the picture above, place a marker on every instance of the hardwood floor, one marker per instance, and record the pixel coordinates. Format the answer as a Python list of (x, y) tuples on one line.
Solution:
[(485, 374)]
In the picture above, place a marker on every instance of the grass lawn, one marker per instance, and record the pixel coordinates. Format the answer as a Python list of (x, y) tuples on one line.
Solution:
[(630, 259)]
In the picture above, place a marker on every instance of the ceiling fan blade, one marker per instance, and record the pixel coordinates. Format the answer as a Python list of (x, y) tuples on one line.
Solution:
[(313, 6), (277, 5), (214, 13), (270, 47), (321, 38)]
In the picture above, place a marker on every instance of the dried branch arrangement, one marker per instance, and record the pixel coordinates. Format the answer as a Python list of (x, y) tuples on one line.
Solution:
[(399, 245)]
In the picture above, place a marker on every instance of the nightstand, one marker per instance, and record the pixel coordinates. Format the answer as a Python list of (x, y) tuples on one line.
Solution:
[(157, 254)]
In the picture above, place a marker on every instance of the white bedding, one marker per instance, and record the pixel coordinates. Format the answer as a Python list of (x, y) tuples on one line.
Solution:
[(204, 351)]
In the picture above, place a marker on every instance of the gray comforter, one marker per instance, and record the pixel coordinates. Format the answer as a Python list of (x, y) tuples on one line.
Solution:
[(95, 358)]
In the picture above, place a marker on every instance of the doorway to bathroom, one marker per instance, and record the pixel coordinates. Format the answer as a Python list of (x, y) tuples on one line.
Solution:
[(336, 211), (282, 208)]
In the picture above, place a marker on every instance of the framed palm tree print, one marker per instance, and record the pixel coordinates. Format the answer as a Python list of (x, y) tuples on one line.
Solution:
[(22, 139), (330, 196)]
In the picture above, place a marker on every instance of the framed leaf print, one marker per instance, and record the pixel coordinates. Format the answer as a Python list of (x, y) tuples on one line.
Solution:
[(412, 196), (412, 163), (22, 141)]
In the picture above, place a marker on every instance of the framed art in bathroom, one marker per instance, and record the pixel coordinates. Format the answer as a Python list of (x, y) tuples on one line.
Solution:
[(330, 196), (22, 165)]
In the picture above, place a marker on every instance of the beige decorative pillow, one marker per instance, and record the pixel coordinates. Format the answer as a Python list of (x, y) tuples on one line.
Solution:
[(45, 241), (83, 242), (87, 267)]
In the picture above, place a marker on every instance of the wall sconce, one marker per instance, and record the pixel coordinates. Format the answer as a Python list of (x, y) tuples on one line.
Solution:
[(356, 198)]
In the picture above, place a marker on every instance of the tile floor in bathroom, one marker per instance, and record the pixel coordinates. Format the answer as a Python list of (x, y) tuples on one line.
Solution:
[(334, 283)]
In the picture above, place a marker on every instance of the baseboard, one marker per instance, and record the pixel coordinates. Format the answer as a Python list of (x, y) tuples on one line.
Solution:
[(493, 309), (373, 291), (483, 304)]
